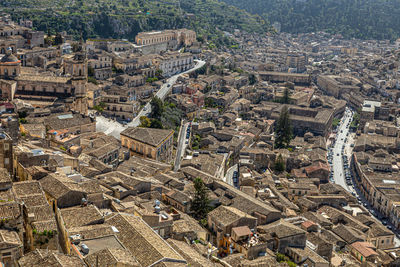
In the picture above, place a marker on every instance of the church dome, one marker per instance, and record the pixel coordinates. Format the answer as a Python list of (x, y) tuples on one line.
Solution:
[(9, 57)]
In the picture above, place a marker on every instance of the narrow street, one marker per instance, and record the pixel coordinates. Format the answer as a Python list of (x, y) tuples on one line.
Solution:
[(183, 141), (229, 174), (338, 151), (340, 161)]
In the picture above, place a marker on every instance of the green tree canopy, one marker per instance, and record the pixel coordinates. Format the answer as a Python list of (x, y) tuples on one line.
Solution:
[(252, 79), (144, 122), (284, 130), (201, 203), (155, 123), (286, 96), (157, 107), (58, 39), (279, 165), (364, 19)]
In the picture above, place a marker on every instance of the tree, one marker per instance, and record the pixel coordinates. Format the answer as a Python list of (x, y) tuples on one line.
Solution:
[(75, 47), (151, 79), (285, 98), (159, 73), (90, 71), (93, 80), (58, 39), (284, 130), (155, 123), (157, 108), (144, 122), (209, 103), (100, 107), (279, 165), (49, 40), (201, 203), (252, 79)]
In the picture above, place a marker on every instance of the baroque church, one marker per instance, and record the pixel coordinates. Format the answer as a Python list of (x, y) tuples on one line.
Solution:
[(68, 86)]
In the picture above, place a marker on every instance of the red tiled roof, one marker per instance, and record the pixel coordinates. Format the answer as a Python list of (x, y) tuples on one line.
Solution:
[(298, 173), (364, 248), (308, 224), (241, 231), (315, 167)]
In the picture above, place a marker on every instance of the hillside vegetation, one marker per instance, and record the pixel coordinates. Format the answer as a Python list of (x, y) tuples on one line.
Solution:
[(125, 18), (377, 19)]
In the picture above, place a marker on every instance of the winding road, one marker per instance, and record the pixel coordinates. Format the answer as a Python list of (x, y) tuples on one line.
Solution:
[(111, 127)]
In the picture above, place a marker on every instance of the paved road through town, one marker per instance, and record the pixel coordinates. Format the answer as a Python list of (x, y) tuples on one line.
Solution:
[(229, 174), (163, 92), (181, 147), (337, 162), (111, 127), (338, 169)]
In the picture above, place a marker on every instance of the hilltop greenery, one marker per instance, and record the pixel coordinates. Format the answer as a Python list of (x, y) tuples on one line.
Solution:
[(125, 18), (365, 19)]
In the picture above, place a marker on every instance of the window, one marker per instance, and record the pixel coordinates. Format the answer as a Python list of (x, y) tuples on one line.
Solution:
[(6, 146), (7, 161)]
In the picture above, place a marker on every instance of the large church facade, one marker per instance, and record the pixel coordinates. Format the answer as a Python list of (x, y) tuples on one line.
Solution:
[(69, 86)]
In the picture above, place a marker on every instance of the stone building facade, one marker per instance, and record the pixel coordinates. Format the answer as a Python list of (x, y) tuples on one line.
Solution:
[(151, 143), (101, 63), (175, 62), (182, 36), (72, 85)]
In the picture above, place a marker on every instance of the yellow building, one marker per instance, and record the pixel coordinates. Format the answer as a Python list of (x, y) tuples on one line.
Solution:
[(182, 36), (150, 143)]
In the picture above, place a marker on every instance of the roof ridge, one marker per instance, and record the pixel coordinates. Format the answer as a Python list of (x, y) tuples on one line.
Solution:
[(150, 135)]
